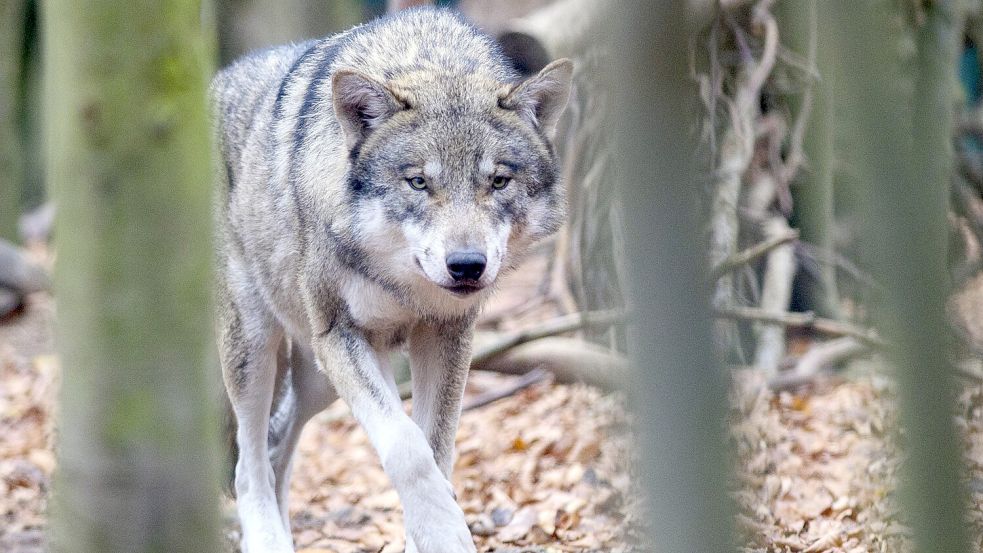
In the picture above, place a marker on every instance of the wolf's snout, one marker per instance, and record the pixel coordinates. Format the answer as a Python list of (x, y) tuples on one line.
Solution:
[(464, 266)]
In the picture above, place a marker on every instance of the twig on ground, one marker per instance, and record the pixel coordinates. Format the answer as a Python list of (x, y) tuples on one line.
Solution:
[(534, 376), (818, 358), (802, 320)]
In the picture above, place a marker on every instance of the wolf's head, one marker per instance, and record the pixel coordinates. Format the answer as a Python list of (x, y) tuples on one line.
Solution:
[(452, 177)]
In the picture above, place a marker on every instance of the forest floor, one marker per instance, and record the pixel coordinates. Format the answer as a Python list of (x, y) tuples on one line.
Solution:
[(545, 470)]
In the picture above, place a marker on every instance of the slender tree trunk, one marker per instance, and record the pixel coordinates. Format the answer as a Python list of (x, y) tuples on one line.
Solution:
[(12, 24), (904, 159), (677, 389), (130, 167), (809, 38)]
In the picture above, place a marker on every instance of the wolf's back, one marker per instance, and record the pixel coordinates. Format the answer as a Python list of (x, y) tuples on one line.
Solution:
[(238, 93)]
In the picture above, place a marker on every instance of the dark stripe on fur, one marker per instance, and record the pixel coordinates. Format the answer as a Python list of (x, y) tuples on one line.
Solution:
[(354, 343), (288, 78)]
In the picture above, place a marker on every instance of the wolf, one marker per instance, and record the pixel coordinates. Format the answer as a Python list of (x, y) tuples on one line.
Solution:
[(374, 186)]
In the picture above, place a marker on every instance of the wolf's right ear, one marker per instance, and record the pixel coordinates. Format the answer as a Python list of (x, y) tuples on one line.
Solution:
[(361, 104), (541, 99)]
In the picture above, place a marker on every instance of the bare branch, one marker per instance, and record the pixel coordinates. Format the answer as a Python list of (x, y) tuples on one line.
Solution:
[(803, 320), (821, 356), (559, 325), (748, 255), (532, 377)]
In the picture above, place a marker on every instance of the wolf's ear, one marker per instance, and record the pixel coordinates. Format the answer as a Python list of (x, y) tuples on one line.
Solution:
[(361, 104), (542, 98)]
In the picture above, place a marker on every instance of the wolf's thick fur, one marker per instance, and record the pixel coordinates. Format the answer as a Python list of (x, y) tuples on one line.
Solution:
[(376, 185)]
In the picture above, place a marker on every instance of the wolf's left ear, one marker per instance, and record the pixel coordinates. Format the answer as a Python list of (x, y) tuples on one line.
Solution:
[(542, 98), (361, 104)]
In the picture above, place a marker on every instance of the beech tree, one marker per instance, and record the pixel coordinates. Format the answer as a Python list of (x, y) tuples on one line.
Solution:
[(129, 163)]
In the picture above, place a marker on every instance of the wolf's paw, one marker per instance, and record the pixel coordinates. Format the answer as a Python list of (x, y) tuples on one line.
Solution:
[(266, 538), (438, 527), (437, 539), (266, 546)]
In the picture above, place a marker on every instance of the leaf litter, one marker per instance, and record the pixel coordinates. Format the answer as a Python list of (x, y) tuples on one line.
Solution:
[(546, 470)]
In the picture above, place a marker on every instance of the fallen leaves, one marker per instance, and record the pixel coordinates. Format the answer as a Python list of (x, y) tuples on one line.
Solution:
[(546, 468)]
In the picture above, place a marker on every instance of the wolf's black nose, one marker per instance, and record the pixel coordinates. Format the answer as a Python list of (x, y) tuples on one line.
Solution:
[(466, 265)]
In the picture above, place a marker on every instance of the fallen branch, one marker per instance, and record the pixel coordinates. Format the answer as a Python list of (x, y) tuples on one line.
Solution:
[(818, 358), (532, 377), (802, 320), (499, 344), (540, 349), (748, 255), (569, 360)]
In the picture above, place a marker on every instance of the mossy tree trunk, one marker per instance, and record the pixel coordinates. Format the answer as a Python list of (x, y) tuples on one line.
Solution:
[(129, 147), (13, 15), (677, 390), (902, 105)]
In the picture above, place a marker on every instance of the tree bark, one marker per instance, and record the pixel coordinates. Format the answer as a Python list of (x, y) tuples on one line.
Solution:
[(12, 24), (677, 389), (812, 189), (904, 160), (130, 168)]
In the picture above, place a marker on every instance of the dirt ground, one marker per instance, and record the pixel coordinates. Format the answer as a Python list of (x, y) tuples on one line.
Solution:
[(546, 470)]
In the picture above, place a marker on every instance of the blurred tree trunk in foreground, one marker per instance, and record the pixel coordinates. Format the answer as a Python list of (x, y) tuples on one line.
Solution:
[(904, 161), (129, 156), (246, 25), (13, 15), (678, 392)]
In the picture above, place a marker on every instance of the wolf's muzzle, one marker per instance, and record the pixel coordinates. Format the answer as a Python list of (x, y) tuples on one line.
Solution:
[(466, 267)]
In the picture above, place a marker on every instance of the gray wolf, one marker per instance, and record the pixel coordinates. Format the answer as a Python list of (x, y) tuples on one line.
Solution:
[(375, 185)]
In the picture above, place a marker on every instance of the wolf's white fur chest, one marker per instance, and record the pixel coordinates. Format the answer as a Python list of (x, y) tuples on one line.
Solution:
[(372, 307)]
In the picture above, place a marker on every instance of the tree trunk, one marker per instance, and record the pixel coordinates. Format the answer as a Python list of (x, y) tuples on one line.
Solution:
[(904, 159), (812, 190), (130, 168), (247, 25), (677, 390), (12, 23)]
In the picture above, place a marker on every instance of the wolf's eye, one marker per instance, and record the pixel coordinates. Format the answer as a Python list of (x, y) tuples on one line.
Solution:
[(417, 183), (500, 181)]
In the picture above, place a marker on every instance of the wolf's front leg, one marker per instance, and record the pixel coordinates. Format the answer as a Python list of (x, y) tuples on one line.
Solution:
[(434, 522), (439, 358), (249, 344)]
